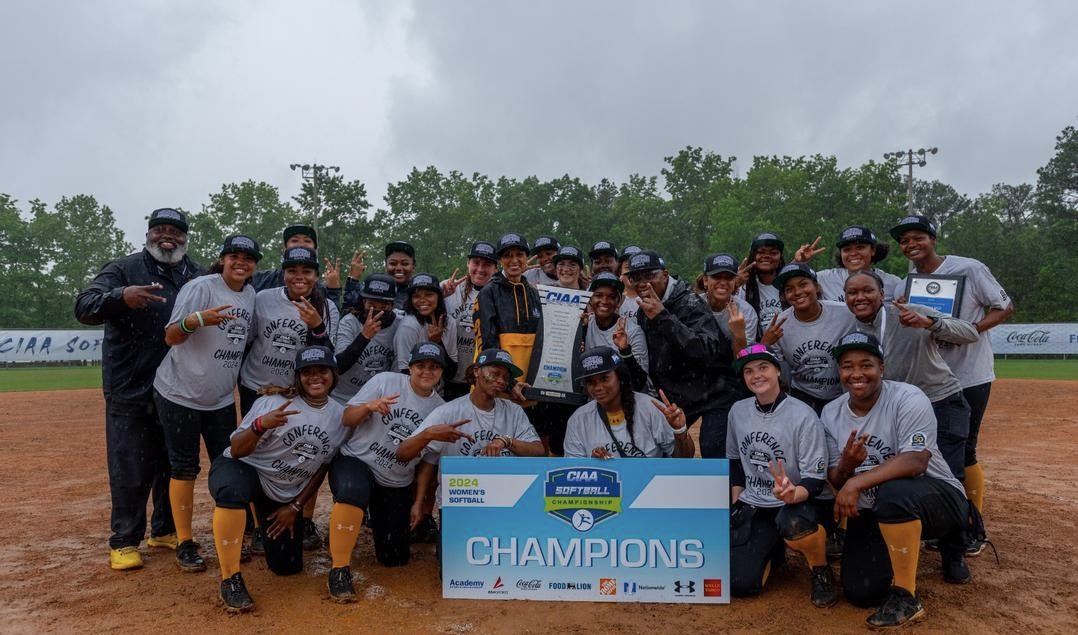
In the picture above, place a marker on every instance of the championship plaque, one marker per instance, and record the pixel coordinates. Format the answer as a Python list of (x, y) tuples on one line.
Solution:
[(942, 293), (551, 370)]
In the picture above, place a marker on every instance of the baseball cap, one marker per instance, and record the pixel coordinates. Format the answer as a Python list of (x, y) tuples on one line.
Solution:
[(427, 350), (168, 216), (606, 279), (300, 230), (856, 234), (544, 242), (915, 221), (753, 353), (482, 249), (602, 247), (596, 361), (569, 252), (238, 243), (299, 256), (630, 250), (512, 240), (767, 239), (857, 341), (423, 281), (379, 286), (718, 263), (498, 357), (315, 356), (401, 246), (646, 260), (792, 270)]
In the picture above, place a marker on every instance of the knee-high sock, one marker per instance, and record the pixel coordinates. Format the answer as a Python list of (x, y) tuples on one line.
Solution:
[(344, 523), (812, 546), (228, 537), (974, 483), (182, 496), (308, 509), (904, 547)]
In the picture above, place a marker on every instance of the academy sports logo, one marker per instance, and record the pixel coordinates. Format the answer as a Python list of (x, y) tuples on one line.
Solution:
[(608, 586), (466, 584), (582, 497)]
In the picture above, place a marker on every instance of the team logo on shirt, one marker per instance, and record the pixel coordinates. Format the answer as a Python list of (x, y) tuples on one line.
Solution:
[(305, 451), (918, 440), (284, 343), (236, 332), (582, 497)]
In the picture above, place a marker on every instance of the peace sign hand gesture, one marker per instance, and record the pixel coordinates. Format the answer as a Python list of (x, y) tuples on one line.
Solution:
[(383, 404), (436, 329), (372, 324), (675, 416), (357, 266), (332, 276), (278, 416), (854, 454), (620, 338), (216, 315), (807, 252), (783, 489), (450, 285), (308, 313), (448, 432), (774, 331), (138, 296), (743, 272)]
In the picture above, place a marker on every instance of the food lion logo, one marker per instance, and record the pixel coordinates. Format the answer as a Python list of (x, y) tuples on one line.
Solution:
[(582, 496)]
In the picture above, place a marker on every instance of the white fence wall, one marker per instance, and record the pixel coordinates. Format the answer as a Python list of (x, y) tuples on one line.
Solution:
[(46, 345)]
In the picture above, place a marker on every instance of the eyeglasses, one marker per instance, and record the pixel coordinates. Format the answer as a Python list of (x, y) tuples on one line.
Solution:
[(636, 277)]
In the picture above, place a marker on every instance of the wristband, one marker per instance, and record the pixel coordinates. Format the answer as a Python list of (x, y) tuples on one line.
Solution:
[(296, 507), (183, 326), (625, 353), (321, 332), (198, 314), (682, 430), (256, 425)]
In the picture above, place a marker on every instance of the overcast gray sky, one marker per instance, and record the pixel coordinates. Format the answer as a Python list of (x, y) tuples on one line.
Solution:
[(153, 103)]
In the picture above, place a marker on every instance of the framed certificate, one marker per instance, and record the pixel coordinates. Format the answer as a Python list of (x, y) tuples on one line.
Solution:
[(942, 293)]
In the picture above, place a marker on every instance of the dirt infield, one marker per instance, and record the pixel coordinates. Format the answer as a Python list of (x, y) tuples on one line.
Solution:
[(54, 575)]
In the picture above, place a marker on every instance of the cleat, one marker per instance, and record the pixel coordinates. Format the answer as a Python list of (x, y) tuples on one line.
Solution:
[(899, 608), (836, 541), (187, 558), (311, 539), (340, 585), (976, 547), (164, 541), (235, 596), (258, 546), (932, 544), (824, 593), (426, 531), (955, 570), (125, 558)]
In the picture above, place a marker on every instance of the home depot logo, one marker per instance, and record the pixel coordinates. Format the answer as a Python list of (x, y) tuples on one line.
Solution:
[(608, 586)]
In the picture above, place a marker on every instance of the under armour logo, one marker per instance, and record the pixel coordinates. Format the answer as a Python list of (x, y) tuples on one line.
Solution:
[(226, 542), (899, 549), (685, 587), (342, 527)]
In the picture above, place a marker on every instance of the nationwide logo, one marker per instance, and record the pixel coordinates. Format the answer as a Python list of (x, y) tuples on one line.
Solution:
[(685, 587), (582, 496), (712, 587), (466, 584), (608, 586), (534, 584)]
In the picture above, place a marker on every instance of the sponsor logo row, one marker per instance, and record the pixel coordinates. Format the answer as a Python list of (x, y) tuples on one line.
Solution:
[(708, 587)]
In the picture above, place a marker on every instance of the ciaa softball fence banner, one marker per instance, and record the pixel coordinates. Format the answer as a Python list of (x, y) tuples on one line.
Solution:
[(623, 530), (47, 345)]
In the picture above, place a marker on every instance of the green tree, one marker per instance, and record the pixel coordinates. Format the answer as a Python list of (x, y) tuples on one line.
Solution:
[(23, 281), (1056, 209), (344, 222), (251, 208)]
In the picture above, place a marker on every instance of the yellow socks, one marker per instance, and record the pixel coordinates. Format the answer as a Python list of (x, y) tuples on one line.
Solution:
[(974, 484), (812, 546), (182, 496), (904, 547), (344, 523), (228, 527)]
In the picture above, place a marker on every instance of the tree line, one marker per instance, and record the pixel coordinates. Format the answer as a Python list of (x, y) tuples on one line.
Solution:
[(697, 205)]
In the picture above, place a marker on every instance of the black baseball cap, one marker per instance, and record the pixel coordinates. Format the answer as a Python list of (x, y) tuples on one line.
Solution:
[(602, 247), (300, 256), (645, 260), (629, 250), (856, 234), (427, 350), (315, 356), (544, 242), (238, 243), (753, 353), (510, 241), (767, 239), (916, 221), (857, 341), (596, 361), (498, 357), (792, 270), (718, 263), (483, 249), (300, 230), (569, 252), (424, 281), (168, 216), (607, 279), (379, 286), (401, 246)]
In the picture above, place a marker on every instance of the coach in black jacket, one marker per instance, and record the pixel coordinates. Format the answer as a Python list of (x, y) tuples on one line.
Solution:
[(688, 356), (133, 297)]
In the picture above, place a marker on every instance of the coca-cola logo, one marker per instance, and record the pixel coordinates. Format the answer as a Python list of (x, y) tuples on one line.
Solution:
[(530, 585), (1036, 336)]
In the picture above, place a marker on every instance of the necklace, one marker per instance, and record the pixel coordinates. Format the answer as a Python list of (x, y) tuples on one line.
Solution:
[(316, 403), (766, 410)]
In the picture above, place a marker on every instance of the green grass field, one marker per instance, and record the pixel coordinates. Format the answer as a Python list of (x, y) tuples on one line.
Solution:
[(65, 377)]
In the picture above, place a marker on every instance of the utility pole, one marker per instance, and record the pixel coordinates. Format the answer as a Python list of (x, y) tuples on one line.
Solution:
[(906, 158), (312, 172)]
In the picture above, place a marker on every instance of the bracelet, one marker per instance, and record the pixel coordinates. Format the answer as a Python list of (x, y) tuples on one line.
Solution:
[(624, 354), (198, 314), (507, 442), (256, 425), (183, 326), (296, 507), (321, 333), (682, 430)]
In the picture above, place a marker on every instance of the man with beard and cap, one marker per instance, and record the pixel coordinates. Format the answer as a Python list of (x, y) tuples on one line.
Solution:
[(133, 297), (544, 250)]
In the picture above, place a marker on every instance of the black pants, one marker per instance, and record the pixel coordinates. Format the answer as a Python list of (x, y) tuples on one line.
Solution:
[(138, 466), (952, 431), (549, 420), (713, 426), (759, 539), (866, 566), (235, 485), (977, 397), (352, 483), (183, 426)]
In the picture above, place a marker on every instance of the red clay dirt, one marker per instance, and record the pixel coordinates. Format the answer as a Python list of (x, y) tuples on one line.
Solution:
[(54, 574)]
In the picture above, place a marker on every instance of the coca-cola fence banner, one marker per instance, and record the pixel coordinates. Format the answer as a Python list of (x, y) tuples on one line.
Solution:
[(1035, 339)]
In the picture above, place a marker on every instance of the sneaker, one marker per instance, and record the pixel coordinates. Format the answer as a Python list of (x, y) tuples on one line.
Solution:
[(311, 539), (899, 608), (425, 531), (932, 544), (824, 593), (258, 547), (187, 558), (125, 558), (340, 585), (165, 541), (955, 570), (975, 547), (836, 542), (235, 596)]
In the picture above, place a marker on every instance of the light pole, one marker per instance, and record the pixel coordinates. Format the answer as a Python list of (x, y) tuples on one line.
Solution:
[(312, 172), (910, 158)]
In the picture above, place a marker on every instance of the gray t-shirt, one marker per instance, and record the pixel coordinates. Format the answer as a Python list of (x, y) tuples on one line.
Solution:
[(411, 332), (901, 421), (375, 440), (629, 308), (507, 419), (460, 310), (287, 457), (652, 435), (278, 332), (537, 276), (201, 372), (805, 347), (973, 364), (722, 318), (597, 336), (377, 357), (833, 284), (792, 434), (770, 306)]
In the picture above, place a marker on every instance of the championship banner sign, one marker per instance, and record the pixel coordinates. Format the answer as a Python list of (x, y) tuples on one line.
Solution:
[(586, 530), (45, 345), (551, 371)]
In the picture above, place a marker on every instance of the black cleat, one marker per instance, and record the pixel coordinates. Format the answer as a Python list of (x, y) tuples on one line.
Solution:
[(311, 539), (340, 585), (899, 608), (836, 541), (425, 531), (824, 593), (187, 558), (258, 547), (955, 570), (932, 544), (975, 547), (235, 596)]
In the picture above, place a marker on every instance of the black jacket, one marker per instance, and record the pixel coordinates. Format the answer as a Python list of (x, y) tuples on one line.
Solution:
[(504, 307), (134, 338), (688, 356)]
